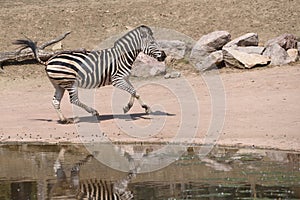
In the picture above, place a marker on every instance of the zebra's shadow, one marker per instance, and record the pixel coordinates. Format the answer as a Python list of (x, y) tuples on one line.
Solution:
[(127, 117)]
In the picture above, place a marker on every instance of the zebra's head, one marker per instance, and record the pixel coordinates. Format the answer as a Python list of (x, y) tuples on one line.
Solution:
[(149, 45)]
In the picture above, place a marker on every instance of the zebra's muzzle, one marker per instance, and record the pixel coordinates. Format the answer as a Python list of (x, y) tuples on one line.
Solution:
[(162, 57)]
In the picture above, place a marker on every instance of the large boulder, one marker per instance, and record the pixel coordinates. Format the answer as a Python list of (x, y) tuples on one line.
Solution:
[(286, 41), (242, 60), (278, 55), (251, 49), (146, 66), (249, 39), (282, 49), (174, 48), (212, 61), (206, 45)]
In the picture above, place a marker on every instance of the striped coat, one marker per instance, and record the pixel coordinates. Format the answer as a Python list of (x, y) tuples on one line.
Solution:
[(92, 69)]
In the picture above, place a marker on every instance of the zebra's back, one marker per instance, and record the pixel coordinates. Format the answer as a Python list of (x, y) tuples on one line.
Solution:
[(86, 69)]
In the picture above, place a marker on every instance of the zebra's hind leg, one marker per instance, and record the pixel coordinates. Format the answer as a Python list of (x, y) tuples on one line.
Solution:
[(73, 93), (129, 105), (59, 93)]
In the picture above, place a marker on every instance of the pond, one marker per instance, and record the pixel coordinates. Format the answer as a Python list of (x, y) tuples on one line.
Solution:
[(31, 172)]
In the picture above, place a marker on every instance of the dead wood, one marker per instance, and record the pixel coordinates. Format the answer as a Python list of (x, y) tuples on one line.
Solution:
[(17, 56)]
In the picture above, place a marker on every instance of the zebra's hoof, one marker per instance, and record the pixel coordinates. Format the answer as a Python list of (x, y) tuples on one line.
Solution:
[(66, 121), (147, 109), (96, 114), (125, 109)]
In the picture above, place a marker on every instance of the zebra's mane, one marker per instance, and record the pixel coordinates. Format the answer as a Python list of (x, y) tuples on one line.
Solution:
[(142, 28)]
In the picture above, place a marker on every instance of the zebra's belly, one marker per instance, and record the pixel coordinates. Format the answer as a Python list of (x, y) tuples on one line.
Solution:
[(68, 79), (92, 81)]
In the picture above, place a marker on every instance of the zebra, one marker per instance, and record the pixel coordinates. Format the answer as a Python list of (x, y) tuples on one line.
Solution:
[(78, 188), (94, 69)]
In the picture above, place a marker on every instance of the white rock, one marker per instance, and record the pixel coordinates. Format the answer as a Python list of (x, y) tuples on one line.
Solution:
[(251, 49), (146, 66), (173, 48), (238, 59), (212, 61), (174, 74), (293, 54), (278, 55), (57, 46), (249, 39), (200, 55)]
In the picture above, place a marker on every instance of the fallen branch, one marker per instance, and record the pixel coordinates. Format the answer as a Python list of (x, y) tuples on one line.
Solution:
[(26, 54), (43, 46)]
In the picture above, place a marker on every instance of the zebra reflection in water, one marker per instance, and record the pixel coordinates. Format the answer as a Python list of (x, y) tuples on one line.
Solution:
[(91, 189)]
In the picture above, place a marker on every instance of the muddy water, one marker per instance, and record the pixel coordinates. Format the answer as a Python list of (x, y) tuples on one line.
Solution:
[(27, 172)]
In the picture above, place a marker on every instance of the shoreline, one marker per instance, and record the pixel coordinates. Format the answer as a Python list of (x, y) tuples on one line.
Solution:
[(262, 111)]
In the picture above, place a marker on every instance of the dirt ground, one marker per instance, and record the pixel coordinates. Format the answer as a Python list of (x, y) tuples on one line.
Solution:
[(262, 105)]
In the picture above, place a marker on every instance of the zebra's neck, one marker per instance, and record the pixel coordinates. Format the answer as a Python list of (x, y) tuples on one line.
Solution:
[(128, 58), (128, 48)]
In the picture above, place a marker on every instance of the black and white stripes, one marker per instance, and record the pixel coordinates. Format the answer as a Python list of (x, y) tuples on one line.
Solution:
[(88, 70), (80, 188), (93, 69)]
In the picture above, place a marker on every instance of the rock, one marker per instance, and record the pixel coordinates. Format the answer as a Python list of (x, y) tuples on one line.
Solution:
[(216, 57), (249, 39), (146, 66), (286, 41), (293, 54), (298, 45), (200, 55), (212, 61), (251, 49), (57, 46), (278, 55), (173, 48), (238, 59), (209, 43), (174, 74)]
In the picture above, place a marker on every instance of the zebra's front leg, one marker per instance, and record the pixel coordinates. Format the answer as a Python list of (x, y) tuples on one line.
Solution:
[(142, 103), (129, 105), (124, 84), (131, 101)]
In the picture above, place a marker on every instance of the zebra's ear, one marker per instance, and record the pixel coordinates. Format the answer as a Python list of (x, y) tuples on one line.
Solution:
[(145, 31)]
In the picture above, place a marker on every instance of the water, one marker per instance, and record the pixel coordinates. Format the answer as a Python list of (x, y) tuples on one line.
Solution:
[(27, 172)]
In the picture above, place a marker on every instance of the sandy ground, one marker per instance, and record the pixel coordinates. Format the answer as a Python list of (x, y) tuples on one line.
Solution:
[(93, 21), (262, 105), (262, 110)]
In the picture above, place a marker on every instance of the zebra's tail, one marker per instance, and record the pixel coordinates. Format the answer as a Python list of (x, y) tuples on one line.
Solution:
[(27, 43)]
